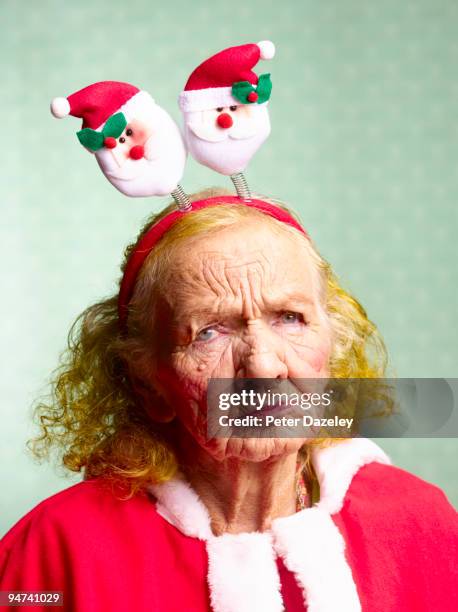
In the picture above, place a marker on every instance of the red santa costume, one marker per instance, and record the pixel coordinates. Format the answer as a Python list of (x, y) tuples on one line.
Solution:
[(379, 539)]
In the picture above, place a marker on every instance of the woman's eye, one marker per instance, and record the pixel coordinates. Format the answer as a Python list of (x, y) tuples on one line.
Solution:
[(206, 334), (292, 317)]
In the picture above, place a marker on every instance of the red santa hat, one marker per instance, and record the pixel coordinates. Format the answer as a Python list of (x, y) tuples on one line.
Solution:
[(95, 103), (210, 85)]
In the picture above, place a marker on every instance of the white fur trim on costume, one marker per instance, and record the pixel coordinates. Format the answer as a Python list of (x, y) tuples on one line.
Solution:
[(267, 49), (243, 576), (205, 99), (180, 505), (242, 573), (336, 465), (60, 107), (314, 550)]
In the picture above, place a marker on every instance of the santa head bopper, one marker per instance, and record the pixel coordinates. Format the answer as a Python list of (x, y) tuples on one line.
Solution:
[(138, 146), (225, 108)]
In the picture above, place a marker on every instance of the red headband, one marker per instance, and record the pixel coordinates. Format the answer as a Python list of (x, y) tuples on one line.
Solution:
[(155, 233)]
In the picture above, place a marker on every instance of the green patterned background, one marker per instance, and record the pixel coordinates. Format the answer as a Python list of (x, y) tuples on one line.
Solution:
[(364, 145)]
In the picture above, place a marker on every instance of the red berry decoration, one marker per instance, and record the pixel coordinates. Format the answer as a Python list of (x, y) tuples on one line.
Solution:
[(252, 96), (109, 142), (224, 120), (137, 152)]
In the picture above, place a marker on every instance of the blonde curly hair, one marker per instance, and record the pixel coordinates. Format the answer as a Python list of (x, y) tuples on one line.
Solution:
[(93, 418)]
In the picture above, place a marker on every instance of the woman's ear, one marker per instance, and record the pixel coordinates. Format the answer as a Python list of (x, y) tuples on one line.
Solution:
[(152, 401)]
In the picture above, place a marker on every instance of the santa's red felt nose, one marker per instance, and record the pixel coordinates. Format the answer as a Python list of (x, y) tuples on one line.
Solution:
[(137, 152), (224, 120)]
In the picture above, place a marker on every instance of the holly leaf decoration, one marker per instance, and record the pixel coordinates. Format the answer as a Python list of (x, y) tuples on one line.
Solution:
[(240, 91), (91, 139), (114, 126), (264, 88)]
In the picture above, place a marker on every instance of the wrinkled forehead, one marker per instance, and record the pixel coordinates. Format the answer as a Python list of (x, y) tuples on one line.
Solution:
[(254, 258)]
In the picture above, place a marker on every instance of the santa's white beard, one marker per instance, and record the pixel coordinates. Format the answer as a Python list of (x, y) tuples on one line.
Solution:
[(159, 172), (232, 151), (143, 178)]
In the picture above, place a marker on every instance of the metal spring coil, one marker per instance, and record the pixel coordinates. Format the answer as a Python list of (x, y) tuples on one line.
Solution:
[(182, 200), (241, 186)]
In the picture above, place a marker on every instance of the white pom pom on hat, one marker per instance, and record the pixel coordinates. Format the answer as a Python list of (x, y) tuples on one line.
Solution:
[(60, 107), (267, 49)]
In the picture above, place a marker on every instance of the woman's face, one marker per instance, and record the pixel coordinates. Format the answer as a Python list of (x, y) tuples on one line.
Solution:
[(241, 303)]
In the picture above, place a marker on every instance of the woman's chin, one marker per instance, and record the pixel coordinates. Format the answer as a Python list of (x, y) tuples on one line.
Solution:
[(253, 449)]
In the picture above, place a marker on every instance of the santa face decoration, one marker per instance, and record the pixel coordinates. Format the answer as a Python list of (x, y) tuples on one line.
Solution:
[(225, 108), (226, 138), (137, 145)]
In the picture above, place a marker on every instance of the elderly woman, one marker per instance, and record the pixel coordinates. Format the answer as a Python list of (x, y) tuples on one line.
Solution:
[(169, 519)]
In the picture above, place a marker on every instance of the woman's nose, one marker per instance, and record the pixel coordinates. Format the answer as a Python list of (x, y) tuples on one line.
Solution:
[(263, 357)]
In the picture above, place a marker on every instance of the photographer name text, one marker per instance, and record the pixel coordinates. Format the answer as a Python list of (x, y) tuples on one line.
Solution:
[(284, 421)]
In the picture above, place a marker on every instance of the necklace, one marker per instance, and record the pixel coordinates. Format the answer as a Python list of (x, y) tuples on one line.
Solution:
[(302, 494)]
